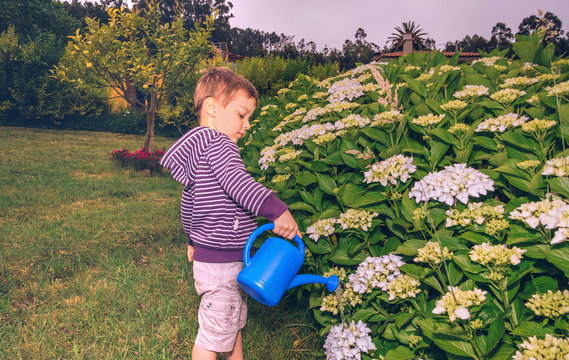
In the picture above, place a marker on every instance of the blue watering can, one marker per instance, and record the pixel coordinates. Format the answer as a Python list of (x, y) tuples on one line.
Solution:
[(272, 271)]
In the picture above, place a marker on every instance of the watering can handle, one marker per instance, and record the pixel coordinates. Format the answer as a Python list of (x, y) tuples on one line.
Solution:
[(253, 237)]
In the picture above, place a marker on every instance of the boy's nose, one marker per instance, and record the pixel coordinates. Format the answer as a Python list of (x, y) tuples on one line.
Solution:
[(246, 124)]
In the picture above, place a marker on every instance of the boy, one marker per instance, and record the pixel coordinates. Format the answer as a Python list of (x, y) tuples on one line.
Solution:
[(220, 203)]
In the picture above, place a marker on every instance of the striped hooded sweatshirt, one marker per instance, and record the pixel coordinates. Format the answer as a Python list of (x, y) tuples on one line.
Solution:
[(220, 201)]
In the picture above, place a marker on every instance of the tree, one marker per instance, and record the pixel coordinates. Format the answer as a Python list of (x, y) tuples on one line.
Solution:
[(358, 51), (197, 11), (417, 36), (548, 22), (502, 36), (33, 18), (143, 60), (81, 10), (469, 43)]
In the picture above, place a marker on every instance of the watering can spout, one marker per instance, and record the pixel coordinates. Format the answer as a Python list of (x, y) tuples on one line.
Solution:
[(330, 282)]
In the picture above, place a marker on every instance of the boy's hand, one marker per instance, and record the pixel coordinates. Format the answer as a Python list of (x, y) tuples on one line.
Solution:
[(190, 253), (286, 226)]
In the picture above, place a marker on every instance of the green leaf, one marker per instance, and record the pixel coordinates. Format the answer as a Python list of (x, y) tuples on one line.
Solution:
[(356, 196), (473, 237), (319, 166), (349, 160), (363, 315), (538, 285), (306, 178), (530, 328), (454, 273), (410, 247), (326, 183), (504, 352), (444, 135), (495, 334), (333, 159), (321, 247), (456, 347), (466, 264), (519, 140), (434, 283), (341, 257), (399, 353), (560, 185), (376, 135), (302, 206), (438, 150), (559, 258), (485, 142)]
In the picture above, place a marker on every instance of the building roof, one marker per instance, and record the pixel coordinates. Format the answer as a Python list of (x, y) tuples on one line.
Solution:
[(397, 54)]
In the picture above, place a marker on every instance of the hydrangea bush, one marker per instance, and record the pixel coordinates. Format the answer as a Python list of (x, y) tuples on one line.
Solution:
[(438, 194)]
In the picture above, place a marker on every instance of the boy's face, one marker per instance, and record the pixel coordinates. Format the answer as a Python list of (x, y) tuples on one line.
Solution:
[(233, 119)]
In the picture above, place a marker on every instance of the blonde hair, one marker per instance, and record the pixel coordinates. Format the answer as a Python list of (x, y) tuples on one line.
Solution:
[(222, 84)]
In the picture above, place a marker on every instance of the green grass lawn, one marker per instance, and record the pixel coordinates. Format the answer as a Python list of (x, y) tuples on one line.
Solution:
[(93, 259)]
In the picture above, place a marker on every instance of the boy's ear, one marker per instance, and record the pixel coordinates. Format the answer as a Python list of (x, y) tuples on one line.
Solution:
[(208, 106)]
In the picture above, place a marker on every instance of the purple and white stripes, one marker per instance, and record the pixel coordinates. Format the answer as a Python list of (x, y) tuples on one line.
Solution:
[(221, 200)]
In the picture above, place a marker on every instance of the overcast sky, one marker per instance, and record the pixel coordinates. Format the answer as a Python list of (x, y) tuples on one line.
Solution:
[(331, 22)]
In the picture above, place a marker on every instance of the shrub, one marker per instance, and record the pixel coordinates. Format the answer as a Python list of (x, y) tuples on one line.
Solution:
[(138, 160), (438, 193), (271, 73)]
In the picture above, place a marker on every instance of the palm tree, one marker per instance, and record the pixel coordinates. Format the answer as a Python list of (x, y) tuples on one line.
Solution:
[(417, 36)]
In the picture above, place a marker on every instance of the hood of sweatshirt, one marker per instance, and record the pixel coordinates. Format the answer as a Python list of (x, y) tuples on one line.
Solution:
[(183, 157)]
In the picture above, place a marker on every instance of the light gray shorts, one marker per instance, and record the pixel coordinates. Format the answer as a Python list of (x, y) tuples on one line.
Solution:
[(223, 307)]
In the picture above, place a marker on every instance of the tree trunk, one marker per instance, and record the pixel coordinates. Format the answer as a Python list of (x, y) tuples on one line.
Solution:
[(150, 115), (149, 139)]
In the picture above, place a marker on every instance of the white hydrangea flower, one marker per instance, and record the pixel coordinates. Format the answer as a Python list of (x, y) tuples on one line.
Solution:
[(456, 302), (280, 178), (550, 304), (518, 81), (547, 77), (289, 154), (269, 107), (455, 182), (533, 100), (549, 348), (471, 91), (454, 106), (403, 287), (561, 89), (428, 120), (476, 213), (391, 170), (356, 219), (502, 123), (387, 117), (432, 253), (507, 96), (551, 213), (268, 156), (376, 272), (352, 120), (324, 227), (496, 255), (313, 113), (557, 167), (488, 61), (538, 126), (347, 342), (347, 89)]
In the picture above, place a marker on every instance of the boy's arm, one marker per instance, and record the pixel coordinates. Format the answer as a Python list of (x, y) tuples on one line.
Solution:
[(230, 172)]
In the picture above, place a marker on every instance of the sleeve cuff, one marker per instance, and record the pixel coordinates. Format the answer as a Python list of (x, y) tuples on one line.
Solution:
[(272, 207), (190, 242)]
